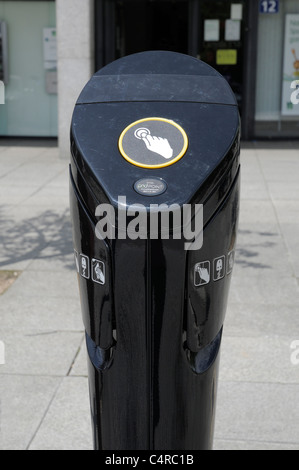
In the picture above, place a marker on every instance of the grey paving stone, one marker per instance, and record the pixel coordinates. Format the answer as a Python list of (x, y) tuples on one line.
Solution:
[(251, 445), (25, 232), (79, 366), (261, 252), (267, 289), (55, 258), (49, 194), (67, 425), (24, 401), (255, 319), (255, 212), (48, 313), (258, 359), (284, 190), (254, 189), (46, 284), (287, 211), (39, 352), (258, 412)]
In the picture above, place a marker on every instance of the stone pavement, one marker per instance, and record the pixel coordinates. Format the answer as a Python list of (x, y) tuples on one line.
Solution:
[(44, 402)]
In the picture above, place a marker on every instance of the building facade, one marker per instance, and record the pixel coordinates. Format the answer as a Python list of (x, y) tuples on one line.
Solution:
[(51, 48)]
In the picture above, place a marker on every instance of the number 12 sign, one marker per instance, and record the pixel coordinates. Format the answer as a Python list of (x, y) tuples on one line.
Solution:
[(269, 6)]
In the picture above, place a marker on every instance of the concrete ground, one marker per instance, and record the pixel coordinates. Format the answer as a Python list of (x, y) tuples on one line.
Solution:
[(44, 400)]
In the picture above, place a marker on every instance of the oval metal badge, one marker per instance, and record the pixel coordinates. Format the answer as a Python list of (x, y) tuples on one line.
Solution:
[(153, 142), (150, 186)]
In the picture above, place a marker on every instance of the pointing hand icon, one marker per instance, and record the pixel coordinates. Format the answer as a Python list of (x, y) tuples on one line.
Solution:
[(99, 273), (155, 144), (204, 274)]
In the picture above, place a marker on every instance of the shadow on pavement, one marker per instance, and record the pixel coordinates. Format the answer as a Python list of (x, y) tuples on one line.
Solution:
[(46, 236)]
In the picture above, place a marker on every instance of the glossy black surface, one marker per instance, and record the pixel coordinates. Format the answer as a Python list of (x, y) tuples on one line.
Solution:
[(211, 129), (153, 332), (211, 122)]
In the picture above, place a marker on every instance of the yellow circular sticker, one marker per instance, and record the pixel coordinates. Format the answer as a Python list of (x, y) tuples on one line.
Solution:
[(153, 142)]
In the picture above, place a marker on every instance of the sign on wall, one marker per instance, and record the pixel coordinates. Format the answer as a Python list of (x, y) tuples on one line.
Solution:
[(50, 59), (291, 65), (4, 75), (269, 6), (227, 57), (50, 48), (212, 30)]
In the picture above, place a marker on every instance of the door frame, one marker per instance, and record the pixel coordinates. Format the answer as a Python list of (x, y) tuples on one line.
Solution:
[(250, 70)]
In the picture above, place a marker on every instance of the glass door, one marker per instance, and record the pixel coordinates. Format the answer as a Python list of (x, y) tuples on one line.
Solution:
[(211, 30), (30, 107), (125, 27), (221, 40), (151, 25)]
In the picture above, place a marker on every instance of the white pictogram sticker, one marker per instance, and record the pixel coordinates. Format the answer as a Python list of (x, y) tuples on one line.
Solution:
[(84, 266), (219, 268), (202, 273), (154, 144), (98, 271)]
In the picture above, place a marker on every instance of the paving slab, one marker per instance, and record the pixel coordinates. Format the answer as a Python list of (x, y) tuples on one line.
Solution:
[(263, 412), (67, 424), (24, 403), (39, 352)]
